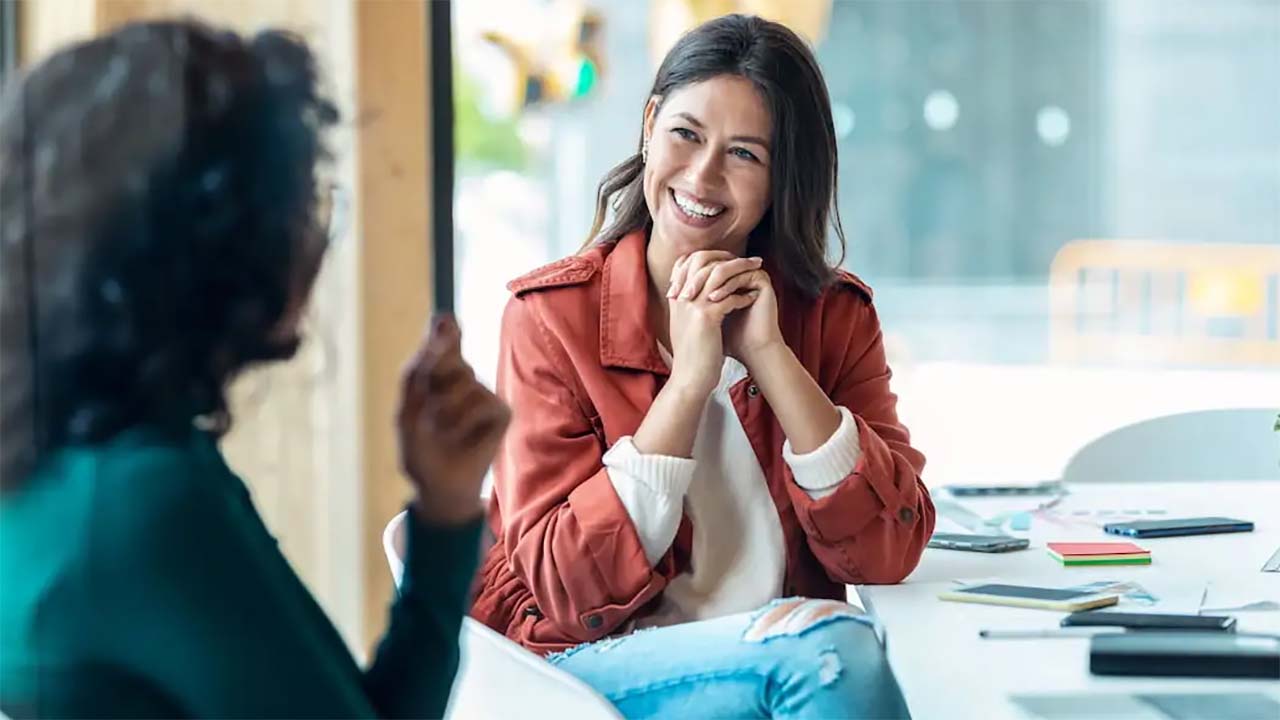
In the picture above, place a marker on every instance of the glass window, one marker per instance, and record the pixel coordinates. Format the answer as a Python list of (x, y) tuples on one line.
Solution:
[(1070, 211), (8, 39)]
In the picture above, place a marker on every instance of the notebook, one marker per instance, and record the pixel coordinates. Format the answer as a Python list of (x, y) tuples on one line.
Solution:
[(1099, 553)]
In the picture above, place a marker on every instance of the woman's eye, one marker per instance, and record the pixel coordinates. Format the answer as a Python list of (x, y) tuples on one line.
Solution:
[(745, 154), (684, 133)]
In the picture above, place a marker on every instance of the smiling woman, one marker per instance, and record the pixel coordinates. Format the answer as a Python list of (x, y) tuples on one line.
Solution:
[(707, 182), (767, 127), (703, 424)]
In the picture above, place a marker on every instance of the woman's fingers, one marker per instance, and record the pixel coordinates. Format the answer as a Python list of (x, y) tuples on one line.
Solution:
[(693, 264), (468, 414), (445, 410), (677, 276), (738, 283), (437, 380), (484, 423), (733, 303), (694, 282), (449, 372), (726, 272), (440, 350)]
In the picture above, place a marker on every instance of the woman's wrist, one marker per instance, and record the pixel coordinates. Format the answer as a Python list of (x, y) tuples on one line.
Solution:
[(687, 388), (672, 422), (446, 512), (759, 359)]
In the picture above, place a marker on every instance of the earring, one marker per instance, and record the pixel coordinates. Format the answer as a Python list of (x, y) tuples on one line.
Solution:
[(644, 151)]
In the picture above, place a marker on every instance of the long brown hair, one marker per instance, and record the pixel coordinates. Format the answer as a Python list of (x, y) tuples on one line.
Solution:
[(793, 233)]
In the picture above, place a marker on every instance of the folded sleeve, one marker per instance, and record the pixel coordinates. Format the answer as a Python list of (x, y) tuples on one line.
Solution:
[(652, 489), (873, 524), (566, 530), (821, 471)]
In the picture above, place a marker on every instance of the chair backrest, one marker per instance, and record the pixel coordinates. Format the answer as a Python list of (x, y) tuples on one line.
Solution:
[(1145, 302), (1202, 446), (499, 679)]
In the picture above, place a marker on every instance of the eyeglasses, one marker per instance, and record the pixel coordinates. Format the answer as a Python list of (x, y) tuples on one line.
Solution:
[(333, 210)]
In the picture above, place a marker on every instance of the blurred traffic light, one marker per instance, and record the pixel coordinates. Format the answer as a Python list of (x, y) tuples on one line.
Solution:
[(569, 70)]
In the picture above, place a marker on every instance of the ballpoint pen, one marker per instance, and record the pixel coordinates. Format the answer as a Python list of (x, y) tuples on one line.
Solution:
[(1051, 633)]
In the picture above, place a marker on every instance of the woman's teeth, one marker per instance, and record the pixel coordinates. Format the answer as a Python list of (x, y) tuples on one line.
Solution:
[(697, 209)]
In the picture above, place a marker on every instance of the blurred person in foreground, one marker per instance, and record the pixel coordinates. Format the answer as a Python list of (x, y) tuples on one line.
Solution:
[(705, 444), (163, 224)]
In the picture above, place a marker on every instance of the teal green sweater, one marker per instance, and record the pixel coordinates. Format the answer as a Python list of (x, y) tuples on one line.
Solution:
[(137, 579)]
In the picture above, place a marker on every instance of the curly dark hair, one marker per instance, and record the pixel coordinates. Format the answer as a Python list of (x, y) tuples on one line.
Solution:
[(160, 218)]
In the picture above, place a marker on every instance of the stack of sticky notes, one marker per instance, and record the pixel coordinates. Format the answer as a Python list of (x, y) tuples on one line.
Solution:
[(1099, 553)]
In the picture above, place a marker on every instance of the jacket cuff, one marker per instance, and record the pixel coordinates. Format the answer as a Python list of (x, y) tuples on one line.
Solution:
[(820, 472), (440, 561)]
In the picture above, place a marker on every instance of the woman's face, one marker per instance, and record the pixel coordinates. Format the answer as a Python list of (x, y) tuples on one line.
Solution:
[(706, 180), (313, 243)]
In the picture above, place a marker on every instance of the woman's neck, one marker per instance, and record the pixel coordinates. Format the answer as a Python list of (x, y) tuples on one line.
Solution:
[(659, 265), (659, 261)]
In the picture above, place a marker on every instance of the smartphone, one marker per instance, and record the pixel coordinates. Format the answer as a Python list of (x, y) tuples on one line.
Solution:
[(977, 543), (1031, 597), (1182, 526), (1150, 621), (1202, 654)]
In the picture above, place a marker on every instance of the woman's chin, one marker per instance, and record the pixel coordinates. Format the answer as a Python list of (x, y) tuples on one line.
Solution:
[(684, 240)]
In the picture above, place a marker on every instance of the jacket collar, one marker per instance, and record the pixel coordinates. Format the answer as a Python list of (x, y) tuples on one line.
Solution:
[(626, 340)]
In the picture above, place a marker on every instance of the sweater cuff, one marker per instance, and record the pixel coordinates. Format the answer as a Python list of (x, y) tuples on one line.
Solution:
[(661, 474), (652, 489), (820, 472)]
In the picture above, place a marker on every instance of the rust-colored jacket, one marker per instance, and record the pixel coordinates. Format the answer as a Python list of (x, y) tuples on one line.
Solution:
[(580, 367)]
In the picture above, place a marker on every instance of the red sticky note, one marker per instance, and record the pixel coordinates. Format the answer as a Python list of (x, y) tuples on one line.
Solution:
[(1068, 549)]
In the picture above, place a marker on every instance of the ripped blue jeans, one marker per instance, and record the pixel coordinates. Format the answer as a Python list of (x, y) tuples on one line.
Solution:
[(793, 658)]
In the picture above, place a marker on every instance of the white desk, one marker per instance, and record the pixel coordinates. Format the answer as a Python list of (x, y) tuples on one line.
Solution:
[(947, 671)]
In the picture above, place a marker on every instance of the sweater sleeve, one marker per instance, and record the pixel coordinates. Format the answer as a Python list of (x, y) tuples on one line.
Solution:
[(206, 609), (820, 472), (652, 489)]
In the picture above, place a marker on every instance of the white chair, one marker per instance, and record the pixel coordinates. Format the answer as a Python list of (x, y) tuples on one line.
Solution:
[(499, 679), (1200, 446)]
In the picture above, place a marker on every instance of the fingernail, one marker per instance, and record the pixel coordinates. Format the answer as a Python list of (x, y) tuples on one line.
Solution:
[(444, 323)]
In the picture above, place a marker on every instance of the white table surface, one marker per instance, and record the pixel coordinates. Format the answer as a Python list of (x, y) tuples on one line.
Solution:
[(947, 671)]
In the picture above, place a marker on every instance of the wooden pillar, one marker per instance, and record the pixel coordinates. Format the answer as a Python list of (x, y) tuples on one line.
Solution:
[(395, 262)]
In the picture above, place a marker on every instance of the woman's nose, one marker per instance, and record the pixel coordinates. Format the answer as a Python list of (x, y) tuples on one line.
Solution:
[(705, 169)]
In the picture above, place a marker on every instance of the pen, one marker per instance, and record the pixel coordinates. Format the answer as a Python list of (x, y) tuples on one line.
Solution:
[(1076, 632)]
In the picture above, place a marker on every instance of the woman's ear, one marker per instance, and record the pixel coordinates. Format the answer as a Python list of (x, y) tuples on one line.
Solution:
[(650, 115)]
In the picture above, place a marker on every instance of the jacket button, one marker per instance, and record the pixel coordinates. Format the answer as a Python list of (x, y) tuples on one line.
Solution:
[(593, 622), (905, 515), (753, 390)]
